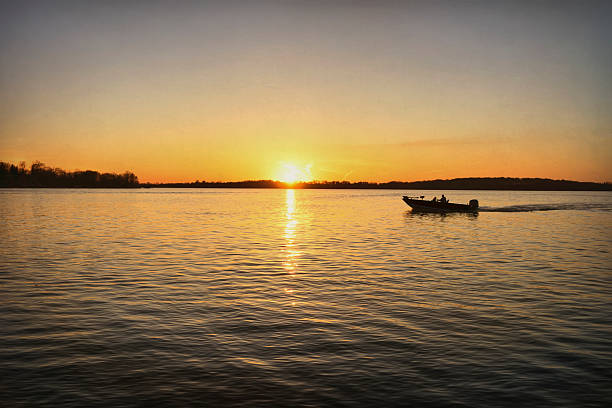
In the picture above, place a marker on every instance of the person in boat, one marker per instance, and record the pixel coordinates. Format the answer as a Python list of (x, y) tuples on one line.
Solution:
[(435, 199), (443, 199)]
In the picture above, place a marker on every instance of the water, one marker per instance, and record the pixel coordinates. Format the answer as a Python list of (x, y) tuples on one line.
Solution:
[(303, 298)]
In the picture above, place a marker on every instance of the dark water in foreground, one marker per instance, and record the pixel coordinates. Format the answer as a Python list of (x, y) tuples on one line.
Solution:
[(303, 298)]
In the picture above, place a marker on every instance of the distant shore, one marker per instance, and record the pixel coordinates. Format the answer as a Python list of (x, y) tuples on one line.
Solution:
[(41, 176), (474, 183)]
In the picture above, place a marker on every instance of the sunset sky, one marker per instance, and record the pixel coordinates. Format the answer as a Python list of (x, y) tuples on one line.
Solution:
[(339, 90)]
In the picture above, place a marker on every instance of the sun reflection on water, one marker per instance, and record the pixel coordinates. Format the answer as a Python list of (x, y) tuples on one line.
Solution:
[(291, 252)]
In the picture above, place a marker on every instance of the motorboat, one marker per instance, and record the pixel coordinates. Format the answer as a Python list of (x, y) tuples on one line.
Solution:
[(419, 204)]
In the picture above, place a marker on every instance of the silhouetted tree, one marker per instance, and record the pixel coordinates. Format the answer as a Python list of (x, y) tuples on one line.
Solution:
[(40, 175)]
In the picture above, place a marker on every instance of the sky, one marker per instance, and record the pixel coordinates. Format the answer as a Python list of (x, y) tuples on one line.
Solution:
[(334, 90)]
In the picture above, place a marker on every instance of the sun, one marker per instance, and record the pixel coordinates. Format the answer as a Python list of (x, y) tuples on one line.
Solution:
[(291, 173)]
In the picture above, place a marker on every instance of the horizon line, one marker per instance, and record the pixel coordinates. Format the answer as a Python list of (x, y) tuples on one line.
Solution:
[(198, 181), (40, 166)]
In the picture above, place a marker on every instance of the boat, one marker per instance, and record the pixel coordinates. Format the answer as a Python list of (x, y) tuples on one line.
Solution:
[(419, 204)]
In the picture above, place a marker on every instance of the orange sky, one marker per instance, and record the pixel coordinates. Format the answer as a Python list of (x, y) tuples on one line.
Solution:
[(222, 91)]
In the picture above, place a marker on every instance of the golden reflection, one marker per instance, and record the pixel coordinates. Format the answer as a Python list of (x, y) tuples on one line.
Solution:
[(290, 201), (291, 252)]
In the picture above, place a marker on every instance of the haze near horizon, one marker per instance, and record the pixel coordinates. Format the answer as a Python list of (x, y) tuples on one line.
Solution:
[(309, 90)]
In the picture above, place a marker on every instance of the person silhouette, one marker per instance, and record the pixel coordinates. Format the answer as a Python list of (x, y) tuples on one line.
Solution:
[(443, 199), (434, 199)]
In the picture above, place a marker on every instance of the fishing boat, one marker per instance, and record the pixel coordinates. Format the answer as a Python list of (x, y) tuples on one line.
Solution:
[(421, 205)]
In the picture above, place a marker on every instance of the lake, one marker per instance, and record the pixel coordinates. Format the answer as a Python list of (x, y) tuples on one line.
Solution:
[(240, 297)]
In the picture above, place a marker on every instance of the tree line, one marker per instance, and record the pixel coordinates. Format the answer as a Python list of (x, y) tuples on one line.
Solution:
[(471, 183), (41, 175)]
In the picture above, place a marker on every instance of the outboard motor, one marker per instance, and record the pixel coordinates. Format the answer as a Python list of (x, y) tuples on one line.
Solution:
[(474, 204)]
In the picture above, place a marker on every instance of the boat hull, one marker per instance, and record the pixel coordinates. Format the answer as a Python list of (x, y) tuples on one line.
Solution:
[(438, 207)]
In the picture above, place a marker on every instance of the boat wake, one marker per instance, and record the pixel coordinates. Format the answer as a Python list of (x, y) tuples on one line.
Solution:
[(548, 207)]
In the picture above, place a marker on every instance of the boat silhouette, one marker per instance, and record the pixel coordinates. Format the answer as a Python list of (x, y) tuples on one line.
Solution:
[(419, 204)]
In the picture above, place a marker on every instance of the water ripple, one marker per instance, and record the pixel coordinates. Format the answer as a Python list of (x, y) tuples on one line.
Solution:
[(303, 298)]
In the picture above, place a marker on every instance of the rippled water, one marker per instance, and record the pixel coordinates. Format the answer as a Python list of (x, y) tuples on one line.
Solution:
[(303, 298)]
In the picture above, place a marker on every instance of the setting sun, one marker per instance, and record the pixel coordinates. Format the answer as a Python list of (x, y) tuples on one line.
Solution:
[(291, 173)]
